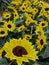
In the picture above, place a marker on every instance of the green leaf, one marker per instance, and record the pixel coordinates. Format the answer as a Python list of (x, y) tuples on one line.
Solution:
[(46, 53), (3, 61), (39, 18)]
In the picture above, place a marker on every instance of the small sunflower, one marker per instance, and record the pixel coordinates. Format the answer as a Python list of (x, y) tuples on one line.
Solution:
[(29, 9), (47, 16), (41, 3), (27, 36), (41, 42), (26, 3), (44, 10), (34, 11), (6, 15), (29, 20), (43, 23), (3, 32), (21, 28), (23, 8), (11, 7), (39, 30), (16, 2), (21, 50), (15, 16), (9, 26)]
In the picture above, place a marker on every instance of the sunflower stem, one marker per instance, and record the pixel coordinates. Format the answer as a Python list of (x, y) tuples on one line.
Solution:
[(10, 62), (31, 29)]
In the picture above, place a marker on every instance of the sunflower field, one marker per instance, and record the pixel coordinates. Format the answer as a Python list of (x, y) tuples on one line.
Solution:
[(24, 32)]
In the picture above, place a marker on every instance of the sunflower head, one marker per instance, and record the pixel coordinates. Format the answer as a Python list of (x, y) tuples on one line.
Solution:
[(9, 26), (21, 50), (16, 16), (6, 15), (43, 24), (3, 32), (41, 42), (27, 36), (21, 28)]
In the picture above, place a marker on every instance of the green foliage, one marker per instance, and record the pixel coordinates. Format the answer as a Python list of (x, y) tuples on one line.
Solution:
[(3, 4), (3, 61)]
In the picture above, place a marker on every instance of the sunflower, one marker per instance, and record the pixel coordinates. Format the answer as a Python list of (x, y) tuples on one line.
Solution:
[(25, 5), (11, 7), (39, 30), (29, 9), (16, 2), (41, 42), (6, 15), (9, 26), (21, 50), (21, 28), (27, 36), (23, 8), (3, 32), (15, 15), (34, 11), (47, 16), (43, 23), (41, 4), (44, 10), (35, 2), (29, 20)]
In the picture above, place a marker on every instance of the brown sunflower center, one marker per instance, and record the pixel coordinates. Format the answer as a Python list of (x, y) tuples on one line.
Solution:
[(7, 15), (43, 24), (46, 9), (2, 32), (19, 51), (21, 28), (9, 26), (15, 15), (28, 21), (41, 41), (23, 8), (28, 37)]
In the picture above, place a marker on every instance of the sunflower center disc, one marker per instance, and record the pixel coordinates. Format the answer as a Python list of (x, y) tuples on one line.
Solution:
[(9, 26), (46, 9), (19, 51), (28, 37), (43, 24), (7, 15), (23, 8), (2, 32), (41, 41)]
